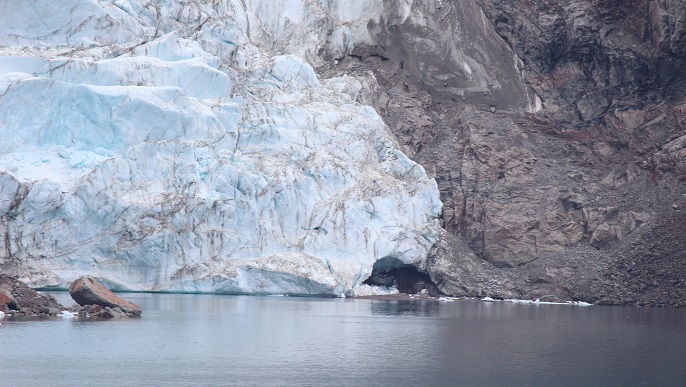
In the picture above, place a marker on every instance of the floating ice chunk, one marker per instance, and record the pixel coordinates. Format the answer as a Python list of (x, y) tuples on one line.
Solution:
[(518, 301), (368, 290), (67, 314), (539, 302)]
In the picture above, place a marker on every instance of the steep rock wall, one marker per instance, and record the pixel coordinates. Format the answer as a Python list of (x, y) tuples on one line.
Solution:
[(552, 195), (588, 59)]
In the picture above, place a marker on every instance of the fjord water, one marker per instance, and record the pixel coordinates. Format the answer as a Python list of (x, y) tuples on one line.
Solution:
[(243, 340)]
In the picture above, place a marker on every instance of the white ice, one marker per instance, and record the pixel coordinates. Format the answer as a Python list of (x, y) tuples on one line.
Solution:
[(536, 302), (190, 146)]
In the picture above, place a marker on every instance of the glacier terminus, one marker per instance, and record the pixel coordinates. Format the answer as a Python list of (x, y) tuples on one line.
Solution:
[(190, 146)]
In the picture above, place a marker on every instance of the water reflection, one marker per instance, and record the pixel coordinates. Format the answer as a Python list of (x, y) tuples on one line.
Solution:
[(414, 308), (242, 340)]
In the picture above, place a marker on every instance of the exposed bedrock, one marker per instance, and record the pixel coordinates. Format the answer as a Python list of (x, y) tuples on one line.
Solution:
[(450, 50), (580, 199), (588, 59)]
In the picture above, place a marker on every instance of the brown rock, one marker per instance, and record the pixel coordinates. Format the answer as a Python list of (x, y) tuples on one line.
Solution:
[(113, 313), (26, 299), (7, 299), (94, 309), (87, 291)]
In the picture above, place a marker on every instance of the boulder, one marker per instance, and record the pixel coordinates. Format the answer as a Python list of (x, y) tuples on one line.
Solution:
[(92, 309), (113, 313), (88, 291), (7, 299)]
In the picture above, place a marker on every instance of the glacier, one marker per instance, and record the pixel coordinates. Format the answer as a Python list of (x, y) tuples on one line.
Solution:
[(190, 146)]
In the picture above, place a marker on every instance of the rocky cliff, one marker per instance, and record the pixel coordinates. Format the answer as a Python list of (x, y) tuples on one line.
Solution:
[(570, 189), (555, 132)]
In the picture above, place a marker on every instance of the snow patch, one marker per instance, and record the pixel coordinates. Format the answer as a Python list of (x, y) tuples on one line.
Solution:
[(466, 68)]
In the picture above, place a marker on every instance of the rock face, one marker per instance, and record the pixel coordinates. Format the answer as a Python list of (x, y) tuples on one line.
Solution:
[(555, 198), (88, 291), (591, 61)]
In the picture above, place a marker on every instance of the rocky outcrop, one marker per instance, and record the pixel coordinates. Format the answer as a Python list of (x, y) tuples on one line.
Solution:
[(7, 301), (548, 201), (591, 60), (21, 300), (457, 271), (87, 291)]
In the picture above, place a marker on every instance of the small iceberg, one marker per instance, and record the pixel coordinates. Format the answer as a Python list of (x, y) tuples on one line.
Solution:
[(369, 290), (67, 314)]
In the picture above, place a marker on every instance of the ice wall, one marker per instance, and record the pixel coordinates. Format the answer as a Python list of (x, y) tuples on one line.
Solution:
[(187, 146)]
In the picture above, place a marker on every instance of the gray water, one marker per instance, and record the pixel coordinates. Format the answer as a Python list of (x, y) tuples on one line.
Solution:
[(255, 341)]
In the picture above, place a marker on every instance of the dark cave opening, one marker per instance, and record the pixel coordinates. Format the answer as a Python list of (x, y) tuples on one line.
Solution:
[(390, 271)]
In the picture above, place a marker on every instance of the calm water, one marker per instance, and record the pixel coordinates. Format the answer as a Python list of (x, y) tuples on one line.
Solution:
[(256, 341)]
